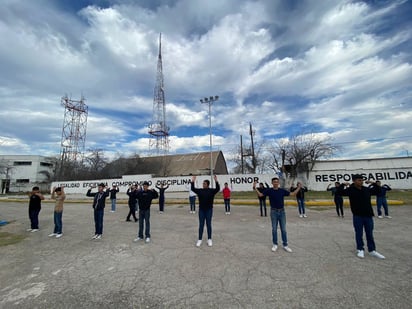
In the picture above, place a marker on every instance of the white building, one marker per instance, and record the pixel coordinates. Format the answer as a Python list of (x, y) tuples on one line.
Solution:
[(20, 173)]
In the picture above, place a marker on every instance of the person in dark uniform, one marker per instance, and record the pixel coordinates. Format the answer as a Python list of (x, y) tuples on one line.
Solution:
[(34, 208), (99, 202)]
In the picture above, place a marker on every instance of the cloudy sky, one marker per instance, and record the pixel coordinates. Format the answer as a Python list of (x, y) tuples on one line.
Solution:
[(335, 68)]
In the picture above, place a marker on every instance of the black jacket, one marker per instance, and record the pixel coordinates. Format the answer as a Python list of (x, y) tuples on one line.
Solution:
[(360, 200), (145, 198), (206, 196), (99, 201)]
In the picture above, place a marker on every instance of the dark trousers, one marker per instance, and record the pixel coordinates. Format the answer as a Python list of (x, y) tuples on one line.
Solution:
[(227, 204), (360, 224), (339, 205), (98, 221), (144, 215), (381, 201), (58, 223), (262, 204), (192, 201), (34, 219), (205, 216), (161, 203), (132, 212)]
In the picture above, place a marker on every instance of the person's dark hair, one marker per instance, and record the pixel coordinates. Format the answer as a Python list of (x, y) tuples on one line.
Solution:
[(207, 181), (337, 183), (58, 189), (275, 178), (36, 188)]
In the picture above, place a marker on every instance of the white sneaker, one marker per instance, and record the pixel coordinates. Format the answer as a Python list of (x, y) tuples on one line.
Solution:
[(147, 239), (34, 230), (360, 254), (137, 239), (199, 243), (59, 235), (99, 236), (287, 249), (300, 216), (388, 217), (111, 210), (305, 216), (274, 248), (95, 236), (209, 242), (380, 217), (228, 213), (376, 254), (52, 234), (28, 230)]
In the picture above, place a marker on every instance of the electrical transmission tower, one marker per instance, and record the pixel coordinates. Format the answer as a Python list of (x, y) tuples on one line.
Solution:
[(74, 129), (158, 130)]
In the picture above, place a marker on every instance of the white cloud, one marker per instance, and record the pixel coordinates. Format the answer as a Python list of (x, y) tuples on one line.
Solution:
[(339, 67)]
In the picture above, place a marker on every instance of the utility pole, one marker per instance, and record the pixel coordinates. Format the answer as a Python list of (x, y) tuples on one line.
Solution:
[(241, 155), (254, 163), (209, 101)]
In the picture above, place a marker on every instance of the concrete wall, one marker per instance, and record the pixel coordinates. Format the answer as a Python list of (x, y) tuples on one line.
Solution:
[(396, 172)]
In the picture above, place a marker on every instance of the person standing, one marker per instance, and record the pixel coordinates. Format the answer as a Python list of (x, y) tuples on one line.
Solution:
[(361, 207), (226, 198), (337, 198), (145, 197), (132, 202), (192, 200), (300, 199), (35, 198), (162, 190), (262, 199), (381, 200), (99, 202), (58, 195), (277, 211), (206, 197), (113, 192)]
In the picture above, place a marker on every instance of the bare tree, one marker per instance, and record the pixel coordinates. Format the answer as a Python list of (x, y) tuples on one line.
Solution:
[(253, 161), (297, 155), (95, 162)]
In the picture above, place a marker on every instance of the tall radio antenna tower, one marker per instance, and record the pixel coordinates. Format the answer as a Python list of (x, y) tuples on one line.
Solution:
[(74, 129), (158, 130)]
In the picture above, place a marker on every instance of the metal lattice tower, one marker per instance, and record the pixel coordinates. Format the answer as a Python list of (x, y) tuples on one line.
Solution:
[(158, 130), (74, 129)]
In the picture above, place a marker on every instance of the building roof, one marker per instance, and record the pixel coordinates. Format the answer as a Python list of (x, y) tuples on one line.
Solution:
[(186, 164)]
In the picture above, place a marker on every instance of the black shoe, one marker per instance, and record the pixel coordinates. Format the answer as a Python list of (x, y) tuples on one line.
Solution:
[(128, 220), (135, 220)]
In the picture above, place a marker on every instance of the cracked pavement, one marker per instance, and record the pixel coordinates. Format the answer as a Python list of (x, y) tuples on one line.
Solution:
[(239, 271)]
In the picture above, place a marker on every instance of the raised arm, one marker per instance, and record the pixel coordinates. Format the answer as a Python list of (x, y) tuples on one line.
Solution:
[(53, 193), (257, 191), (298, 187)]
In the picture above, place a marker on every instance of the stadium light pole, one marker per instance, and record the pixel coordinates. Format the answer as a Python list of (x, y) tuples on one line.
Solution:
[(210, 100)]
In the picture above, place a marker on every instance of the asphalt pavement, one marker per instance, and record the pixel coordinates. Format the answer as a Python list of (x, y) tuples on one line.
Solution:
[(238, 271)]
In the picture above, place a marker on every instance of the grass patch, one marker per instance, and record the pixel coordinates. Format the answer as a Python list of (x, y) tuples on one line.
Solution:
[(10, 238)]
